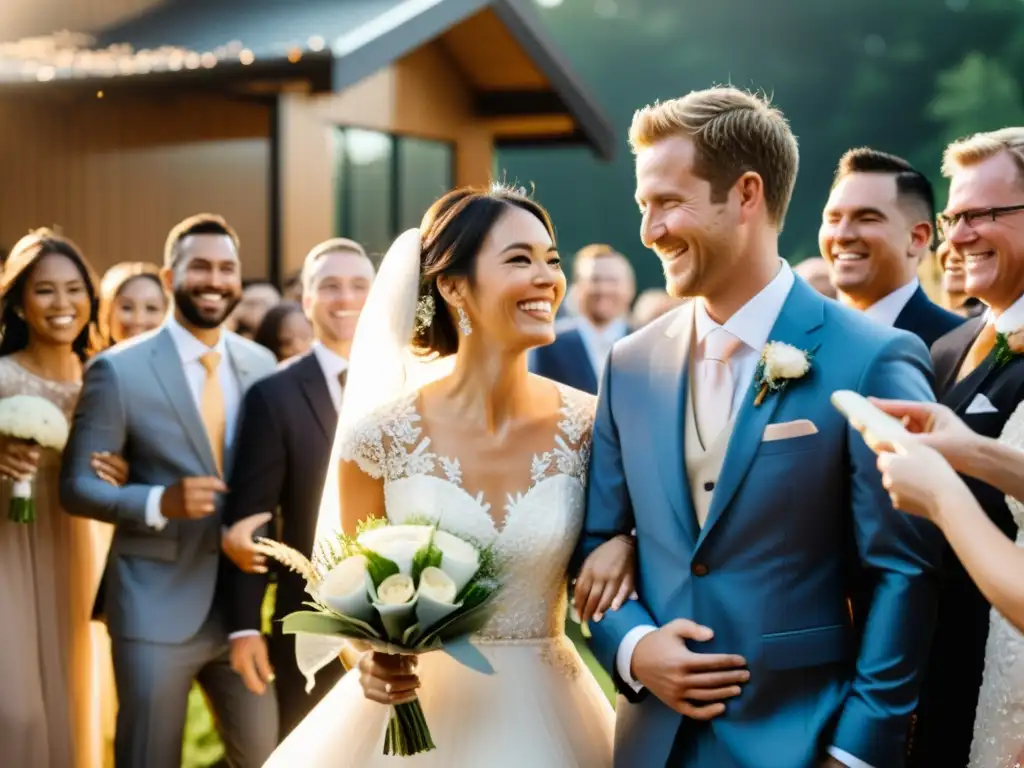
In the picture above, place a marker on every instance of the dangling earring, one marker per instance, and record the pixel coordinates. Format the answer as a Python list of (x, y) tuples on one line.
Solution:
[(464, 325)]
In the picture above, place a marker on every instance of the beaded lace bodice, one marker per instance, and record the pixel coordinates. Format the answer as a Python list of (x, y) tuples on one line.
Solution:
[(541, 524), (999, 723)]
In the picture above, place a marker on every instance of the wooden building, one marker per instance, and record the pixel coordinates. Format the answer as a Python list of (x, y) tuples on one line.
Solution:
[(297, 120)]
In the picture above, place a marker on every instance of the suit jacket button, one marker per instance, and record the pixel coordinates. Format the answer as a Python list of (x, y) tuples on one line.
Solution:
[(699, 569), (709, 486)]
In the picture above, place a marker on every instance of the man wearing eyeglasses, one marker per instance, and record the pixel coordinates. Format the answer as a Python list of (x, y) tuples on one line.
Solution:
[(979, 377)]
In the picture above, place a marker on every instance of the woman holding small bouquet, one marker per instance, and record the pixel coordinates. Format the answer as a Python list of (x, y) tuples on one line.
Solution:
[(443, 420), (48, 565)]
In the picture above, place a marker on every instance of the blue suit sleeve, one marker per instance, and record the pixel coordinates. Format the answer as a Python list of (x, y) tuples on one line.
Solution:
[(609, 513), (900, 557)]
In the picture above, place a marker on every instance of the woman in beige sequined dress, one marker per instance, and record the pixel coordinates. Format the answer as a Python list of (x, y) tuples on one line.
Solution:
[(48, 568)]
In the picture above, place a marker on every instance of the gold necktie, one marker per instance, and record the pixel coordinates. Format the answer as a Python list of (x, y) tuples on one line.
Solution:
[(211, 408), (979, 350)]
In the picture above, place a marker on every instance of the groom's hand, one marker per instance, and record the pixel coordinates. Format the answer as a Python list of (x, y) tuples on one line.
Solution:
[(693, 684)]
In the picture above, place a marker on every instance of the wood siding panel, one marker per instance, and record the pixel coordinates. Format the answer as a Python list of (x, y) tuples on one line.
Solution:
[(117, 176), (30, 18)]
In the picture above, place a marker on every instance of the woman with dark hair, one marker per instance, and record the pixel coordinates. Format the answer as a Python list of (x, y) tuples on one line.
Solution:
[(285, 331), (48, 567), (132, 301), (442, 418)]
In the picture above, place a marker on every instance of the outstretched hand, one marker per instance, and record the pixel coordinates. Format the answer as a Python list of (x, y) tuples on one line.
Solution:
[(936, 426), (693, 684), (917, 477)]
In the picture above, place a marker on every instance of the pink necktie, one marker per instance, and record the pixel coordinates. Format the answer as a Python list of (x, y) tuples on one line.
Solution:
[(715, 387)]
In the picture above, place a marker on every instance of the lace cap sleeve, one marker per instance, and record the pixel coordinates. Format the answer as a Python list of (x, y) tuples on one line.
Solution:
[(379, 442), (364, 444)]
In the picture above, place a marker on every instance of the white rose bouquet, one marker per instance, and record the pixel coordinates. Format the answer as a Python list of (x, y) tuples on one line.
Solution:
[(401, 589), (33, 420)]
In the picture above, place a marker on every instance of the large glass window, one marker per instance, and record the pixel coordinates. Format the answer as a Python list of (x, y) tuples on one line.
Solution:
[(384, 184)]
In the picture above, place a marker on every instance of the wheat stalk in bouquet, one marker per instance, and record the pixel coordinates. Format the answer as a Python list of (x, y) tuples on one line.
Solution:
[(401, 589), (34, 420)]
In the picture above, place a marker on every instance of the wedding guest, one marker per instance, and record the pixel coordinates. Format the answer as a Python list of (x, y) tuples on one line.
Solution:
[(953, 277), (258, 296), (650, 305), (132, 301), (816, 272), (48, 567), (920, 475), (286, 434), (876, 228), (604, 285), (170, 402), (285, 331), (984, 224)]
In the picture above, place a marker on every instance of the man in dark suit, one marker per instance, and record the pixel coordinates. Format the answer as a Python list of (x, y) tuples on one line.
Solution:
[(285, 437), (984, 223), (604, 286), (876, 227)]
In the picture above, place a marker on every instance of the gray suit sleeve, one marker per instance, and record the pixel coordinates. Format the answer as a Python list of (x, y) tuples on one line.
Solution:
[(99, 425)]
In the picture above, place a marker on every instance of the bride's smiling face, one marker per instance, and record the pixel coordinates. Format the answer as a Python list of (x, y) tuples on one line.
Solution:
[(517, 283)]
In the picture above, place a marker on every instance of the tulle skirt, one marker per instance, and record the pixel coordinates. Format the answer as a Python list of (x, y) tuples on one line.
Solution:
[(540, 708)]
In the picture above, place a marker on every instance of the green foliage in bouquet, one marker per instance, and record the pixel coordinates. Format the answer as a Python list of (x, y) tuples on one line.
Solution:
[(395, 608)]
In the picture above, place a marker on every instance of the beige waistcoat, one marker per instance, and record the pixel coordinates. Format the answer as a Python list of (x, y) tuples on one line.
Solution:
[(703, 464)]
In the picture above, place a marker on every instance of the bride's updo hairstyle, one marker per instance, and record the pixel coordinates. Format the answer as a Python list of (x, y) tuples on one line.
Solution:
[(452, 233)]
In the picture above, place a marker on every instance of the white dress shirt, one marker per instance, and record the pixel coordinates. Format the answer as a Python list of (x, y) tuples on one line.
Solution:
[(888, 308), (598, 341), (752, 324), (1009, 321), (191, 349), (332, 364)]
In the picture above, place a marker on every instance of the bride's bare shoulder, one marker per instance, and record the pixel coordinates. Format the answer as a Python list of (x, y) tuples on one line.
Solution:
[(577, 401)]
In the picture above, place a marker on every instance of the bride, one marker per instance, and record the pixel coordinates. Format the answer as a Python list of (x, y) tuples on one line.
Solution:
[(442, 418)]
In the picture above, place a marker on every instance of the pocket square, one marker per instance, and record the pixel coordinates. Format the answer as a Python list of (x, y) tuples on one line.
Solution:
[(981, 404), (788, 430)]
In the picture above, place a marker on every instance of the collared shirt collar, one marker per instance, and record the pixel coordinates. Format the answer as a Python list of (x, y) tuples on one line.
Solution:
[(753, 323), (1009, 321), (330, 361), (888, 308), (191, 349)]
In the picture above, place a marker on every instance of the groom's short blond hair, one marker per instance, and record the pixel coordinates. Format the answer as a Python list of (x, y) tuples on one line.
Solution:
[(981, 146), (733, 132)]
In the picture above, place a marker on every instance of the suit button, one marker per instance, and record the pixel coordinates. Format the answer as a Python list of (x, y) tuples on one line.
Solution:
[(699, 569), (709, 486)]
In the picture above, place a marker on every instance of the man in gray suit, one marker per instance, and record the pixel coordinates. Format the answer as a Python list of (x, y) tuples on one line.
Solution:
[(167, 402)]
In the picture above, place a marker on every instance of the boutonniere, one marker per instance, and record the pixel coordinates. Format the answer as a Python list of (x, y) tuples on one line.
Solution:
[(779, 364), (1009, 346)]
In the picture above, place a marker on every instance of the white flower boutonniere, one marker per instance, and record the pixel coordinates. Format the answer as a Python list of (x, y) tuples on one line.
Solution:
[(779, 364)]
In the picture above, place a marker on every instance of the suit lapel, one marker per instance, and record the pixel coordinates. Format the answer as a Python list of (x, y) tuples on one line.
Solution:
[(314, 388), (914, 314), (801, 316), (953, 353), (166, 362), (582, 362), (670, 375), (240, 362)]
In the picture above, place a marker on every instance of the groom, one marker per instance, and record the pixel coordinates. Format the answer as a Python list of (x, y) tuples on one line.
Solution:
[(755, 505)]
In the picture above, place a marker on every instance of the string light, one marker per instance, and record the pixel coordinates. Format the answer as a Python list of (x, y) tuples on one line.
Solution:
[(68, 55)]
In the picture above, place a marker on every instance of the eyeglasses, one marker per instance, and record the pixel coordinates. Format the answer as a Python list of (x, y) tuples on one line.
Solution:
[(947, 222)]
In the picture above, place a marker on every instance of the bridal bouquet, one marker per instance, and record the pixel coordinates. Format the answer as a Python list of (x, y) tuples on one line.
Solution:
[(34, 420), (401, 589)]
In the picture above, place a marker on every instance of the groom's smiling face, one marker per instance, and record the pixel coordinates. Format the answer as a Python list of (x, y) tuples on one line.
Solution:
[(694, 237)]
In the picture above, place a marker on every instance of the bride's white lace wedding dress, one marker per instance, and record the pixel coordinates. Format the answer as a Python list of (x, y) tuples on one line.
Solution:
[(541, 707), (999, 722)]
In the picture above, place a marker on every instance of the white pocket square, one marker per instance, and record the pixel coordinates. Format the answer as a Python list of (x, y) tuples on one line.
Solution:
[(981, 404), (788, 430)]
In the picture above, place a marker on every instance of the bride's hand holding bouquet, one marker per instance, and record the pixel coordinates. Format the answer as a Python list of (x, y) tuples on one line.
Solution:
[(399, 590)]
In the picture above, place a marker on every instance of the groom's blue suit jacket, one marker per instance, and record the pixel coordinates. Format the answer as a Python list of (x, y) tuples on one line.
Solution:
[(792, 524)]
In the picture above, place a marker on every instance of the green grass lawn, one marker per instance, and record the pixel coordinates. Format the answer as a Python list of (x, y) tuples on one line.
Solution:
[(203, 749)]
